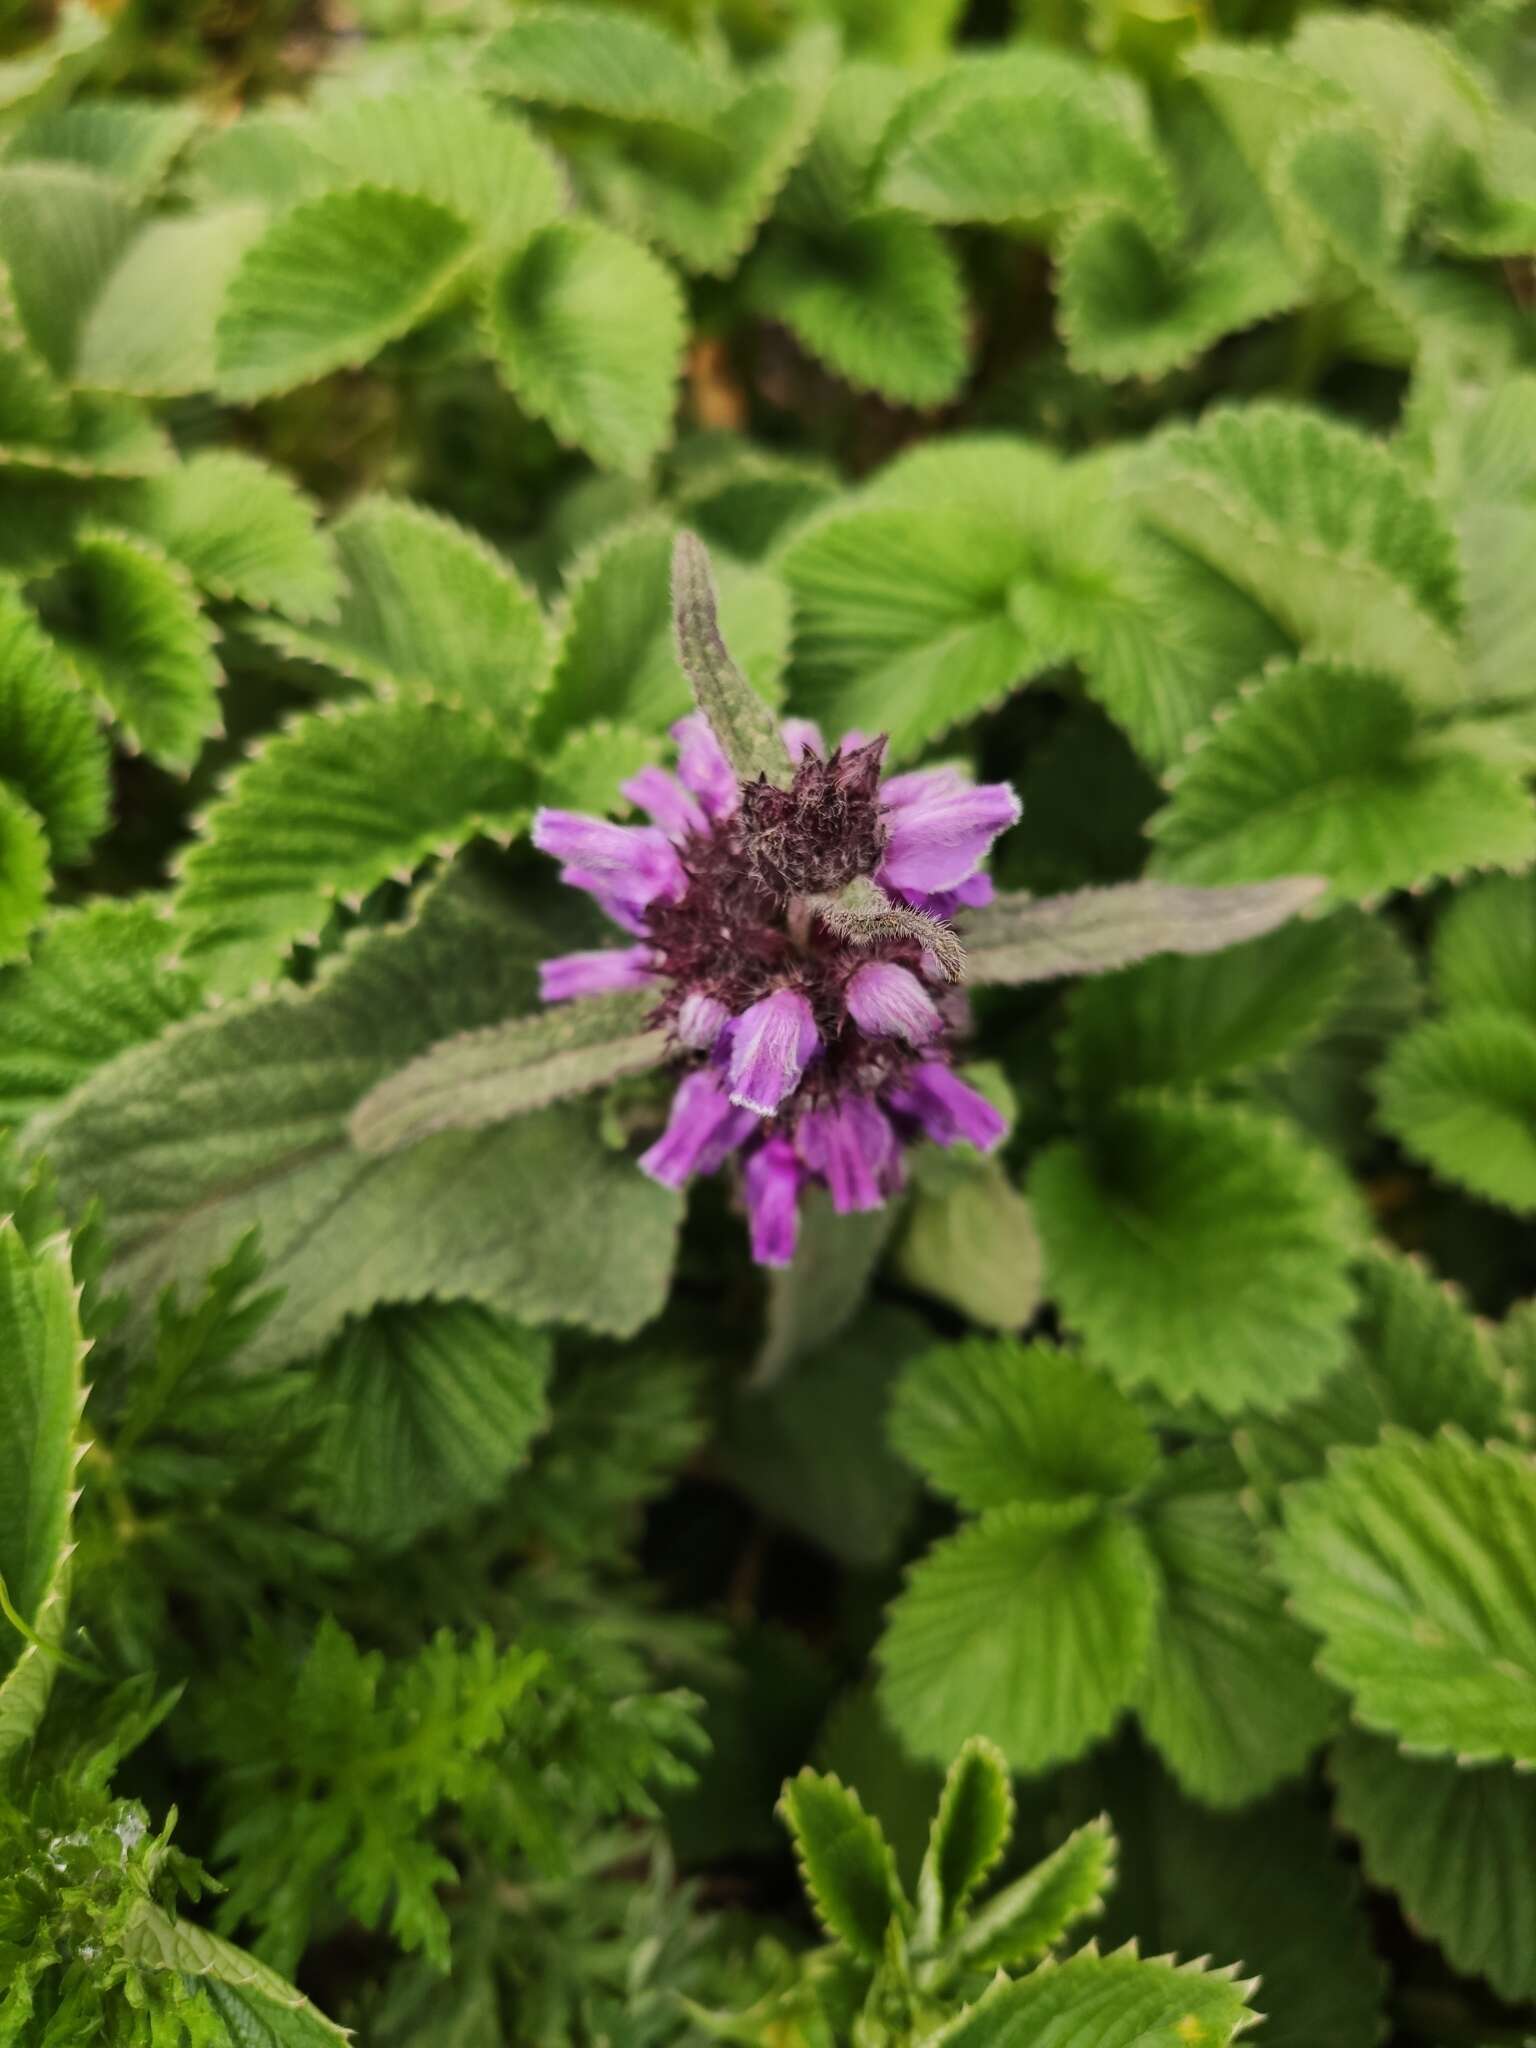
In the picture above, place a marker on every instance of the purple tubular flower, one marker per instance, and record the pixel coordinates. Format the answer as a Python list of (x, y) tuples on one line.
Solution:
[(595, 974), (889, 1002), (921, 785), (702, 1131), (852, 1147), (632, 866), (699, 1022), (770, 1046), (802, 736), (943, 903), (938, 839), (671, 807), (771, 1179), (948, 1109), (703, 766)]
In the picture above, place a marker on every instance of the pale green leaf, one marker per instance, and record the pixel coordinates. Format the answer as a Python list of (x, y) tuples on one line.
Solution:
[(605, 385), (969, 1239), (50, 751), (329, 283), (41, 1395), (152, 328), (145, 647), (1485, 947), (1411, 81), (485, 1077), (330, 806), (61, 231), (845, 1861), (260, 2008), (426, 605), (24, 875), (96, 983), (1091, 2001), (1457, 1846), (1200, 1249), (1033, 1913), (746, 729), (1030, 1626), (1229, 1697), (1416, 1563), (604, 61), (53, 64), (1019, 938), (238, 1119), (425, 1411), (1326, 770), (584, 772), (132, 140), (1460, 1094), (970, 1832), (991, 1422)]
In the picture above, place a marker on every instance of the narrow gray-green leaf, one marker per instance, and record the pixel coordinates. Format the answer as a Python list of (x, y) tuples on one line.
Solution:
[(739, 718)]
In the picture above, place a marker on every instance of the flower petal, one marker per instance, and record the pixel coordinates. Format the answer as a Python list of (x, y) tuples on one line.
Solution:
[(886, 1001), (636, 864), (771, 1180), (699, 1022), (939, 840), (802, 736), (852, 1147), (948, 1109), (770, 1045), (703, 766), (702, 1130), (921, 785), (672, 807), (595, 974)]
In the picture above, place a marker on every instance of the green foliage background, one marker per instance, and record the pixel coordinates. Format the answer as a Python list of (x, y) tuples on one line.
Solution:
[(422, 1571)]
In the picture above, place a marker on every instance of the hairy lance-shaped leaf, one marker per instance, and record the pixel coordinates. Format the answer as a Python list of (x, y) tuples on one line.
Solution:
[(1022, 938), (738, 717), (485, 1077), (845, 1860)]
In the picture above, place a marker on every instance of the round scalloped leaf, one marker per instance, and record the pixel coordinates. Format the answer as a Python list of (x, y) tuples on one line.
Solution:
[(1200, 1249), (1460, 1093), (147, 648), (426, 605), (1485, 947), (151, 330), (605, 384), (604, 62), (427, 1409), (332, 806), (584, 771), (50, 750), (134, 141), (96, 983), (1416, 1564), (1229, 1697), (991, 1422), (880, 301), (40, 1400), (1325, 770), (24, 873), (1457, 1846), (329, 283), (61, 231), (1030, 1626), (243, 530)]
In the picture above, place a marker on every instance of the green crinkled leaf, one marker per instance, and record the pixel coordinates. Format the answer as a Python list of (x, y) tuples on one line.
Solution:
[(35, 406), (1487, 484), (24, 874), (485, 1077), (152, 329), (1033, 1913), (604, 61), (329, 807), (238, 1118), (1327, 770), (970, 1832), (585, 770), (1018, 938), (427, 1409), (53, 64), (1091, 2000), (1416, 1564), (1460, 1093), (1484, 954), (991, 1422), (618, 653), (605, 385), (969, 1239), (1457, 1846), (61, 231), (1030, 1626), (845, 1861), (1345, 184), (1200, 1249), (145, 646), (132, 140), (102, 437), (330, 282), (50, 751), (96, 983), (1410, 80), (41, 1395), (1180, 1023), (1229, 1696), (243, 531), (880, 301), (426, 605)]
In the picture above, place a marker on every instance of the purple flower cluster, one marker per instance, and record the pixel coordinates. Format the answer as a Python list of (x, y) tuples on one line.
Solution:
[(815, 1055)]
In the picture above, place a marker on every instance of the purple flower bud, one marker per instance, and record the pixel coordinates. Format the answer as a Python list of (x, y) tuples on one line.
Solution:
[(948, 1109), (770, 1045), (702, 1130), (595, 974), (771, 1180), (802, 736), (699, 1022), (703, 766), (635, 865), (886, 1001), (672, 807), (937, 840), (852, 1147)]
